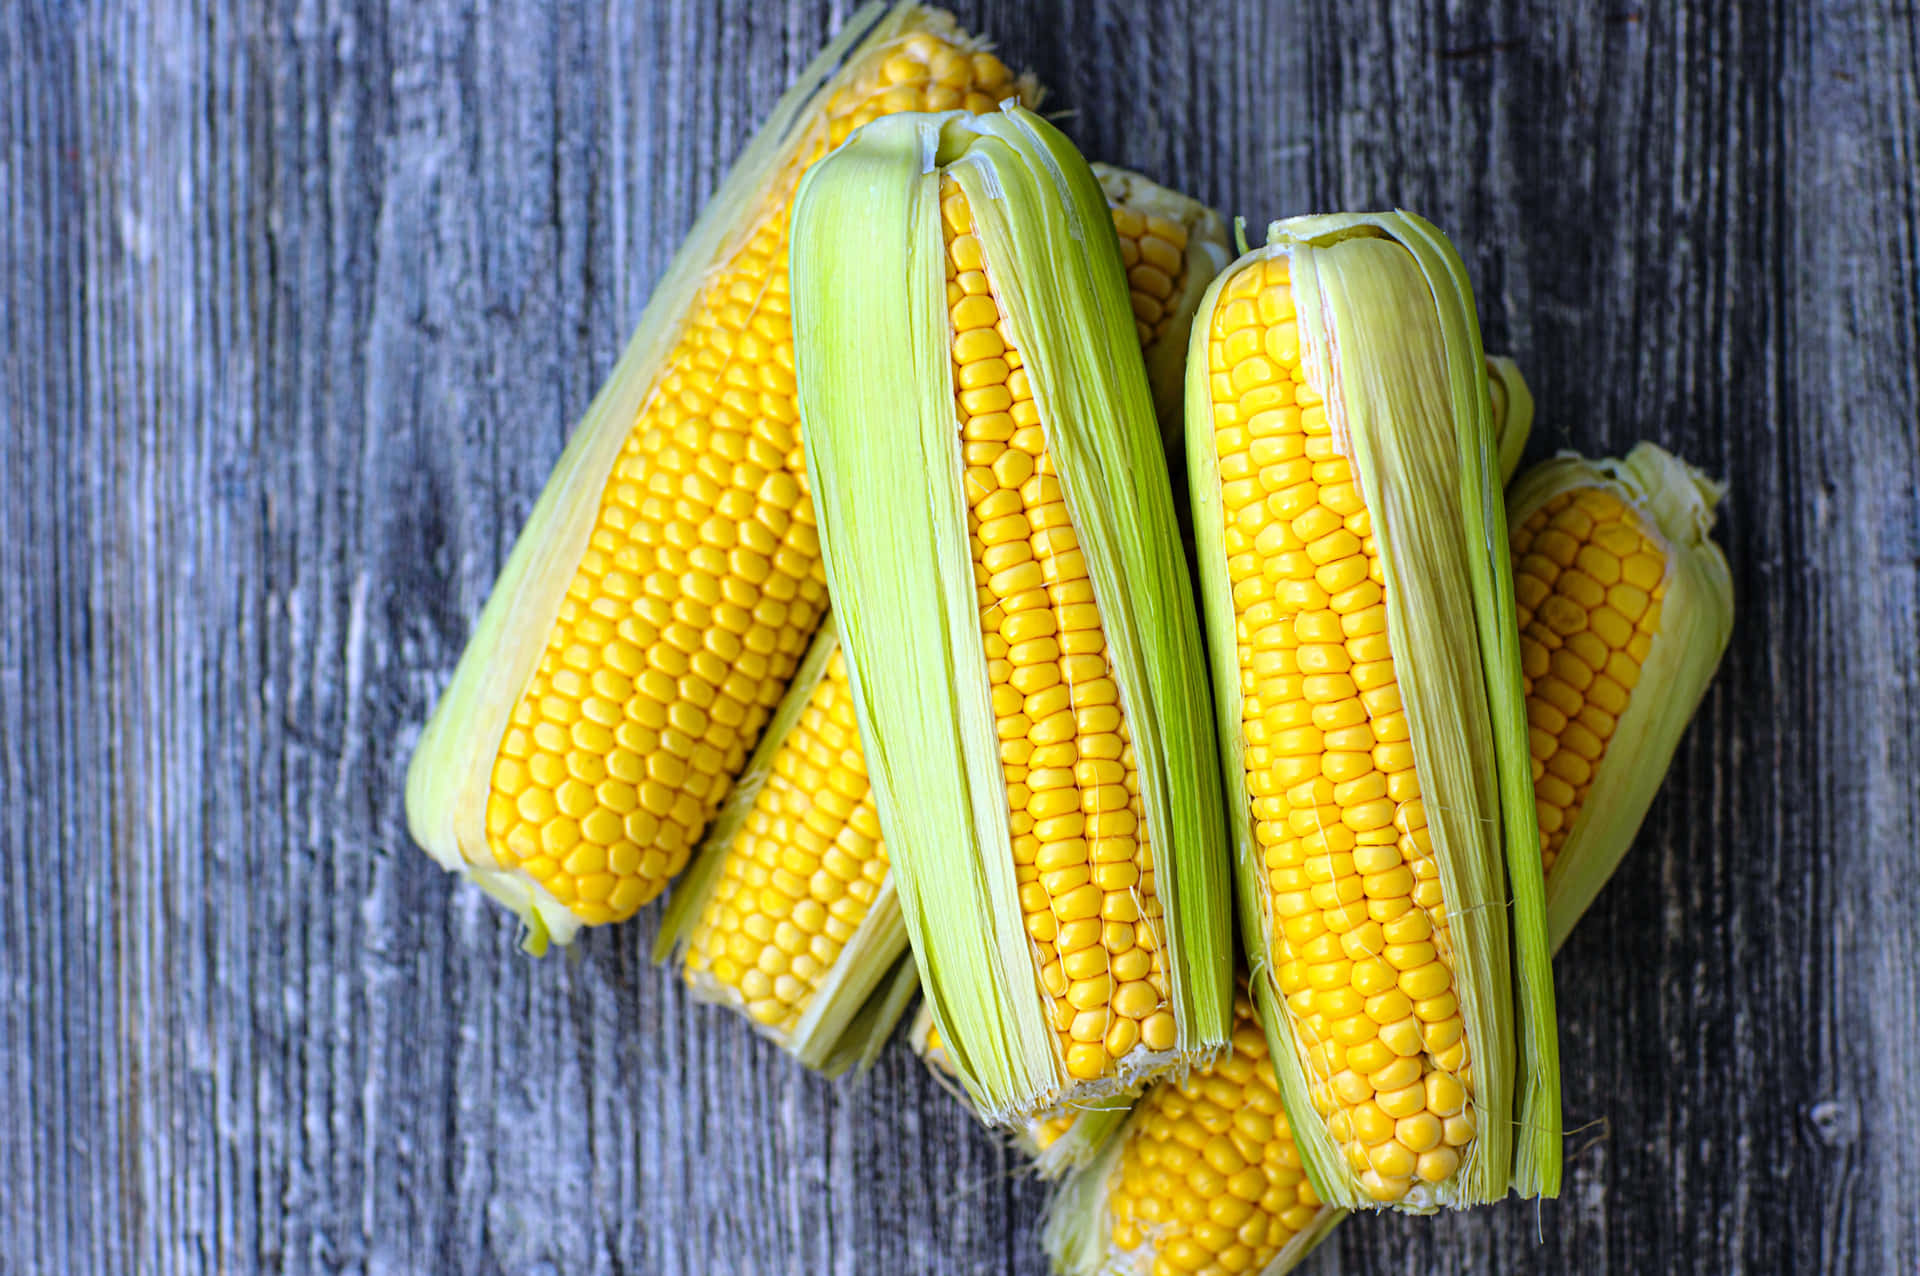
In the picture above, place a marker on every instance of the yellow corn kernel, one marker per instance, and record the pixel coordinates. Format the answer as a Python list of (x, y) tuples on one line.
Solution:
[(1616, 584)]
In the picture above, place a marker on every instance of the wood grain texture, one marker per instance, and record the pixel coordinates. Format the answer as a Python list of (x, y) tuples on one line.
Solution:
[(297, 301)]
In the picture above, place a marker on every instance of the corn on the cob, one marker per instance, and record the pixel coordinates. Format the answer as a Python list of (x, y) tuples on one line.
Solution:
[(1155, 1200), (1019, 635), (669, 580), (788, 912), (1345, 501), (1625, 608)]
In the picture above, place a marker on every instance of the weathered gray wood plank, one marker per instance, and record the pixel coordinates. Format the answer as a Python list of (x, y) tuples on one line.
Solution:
[(297, 301)]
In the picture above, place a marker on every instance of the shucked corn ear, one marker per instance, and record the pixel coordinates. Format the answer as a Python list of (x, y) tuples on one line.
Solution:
[(1350, 537), (1154, 1200), (1021, 645), (1625, 608), (668, 581), (788, 911)]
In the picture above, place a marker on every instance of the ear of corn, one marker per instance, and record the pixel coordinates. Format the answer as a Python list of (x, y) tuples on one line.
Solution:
[(1022, 652), (1625, 608), (1346, 507), (668, 581), (788, 912), (1130, 1210)]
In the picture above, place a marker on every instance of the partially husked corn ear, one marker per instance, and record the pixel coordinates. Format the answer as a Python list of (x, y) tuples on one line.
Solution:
[(1625, 608), (1020, 640), (788, 912), (1132, 1212), (669, 580), (1344, 486)]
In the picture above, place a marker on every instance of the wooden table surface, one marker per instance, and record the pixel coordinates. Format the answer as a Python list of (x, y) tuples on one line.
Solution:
[(297, 301)]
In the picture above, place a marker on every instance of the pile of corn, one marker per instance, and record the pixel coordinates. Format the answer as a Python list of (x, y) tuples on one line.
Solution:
[(1073, 724)]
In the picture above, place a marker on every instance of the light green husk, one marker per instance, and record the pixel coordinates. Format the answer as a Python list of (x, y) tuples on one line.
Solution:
[(1512, 404), (854, 1011), (451, 772), (884, 455), (1388, 333), (1674, 503)]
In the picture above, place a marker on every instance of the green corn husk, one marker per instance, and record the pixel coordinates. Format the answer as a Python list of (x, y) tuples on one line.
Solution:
[(884, 457), (1512, 406), (855, 1004), (1674, 503), (1369, 289)]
